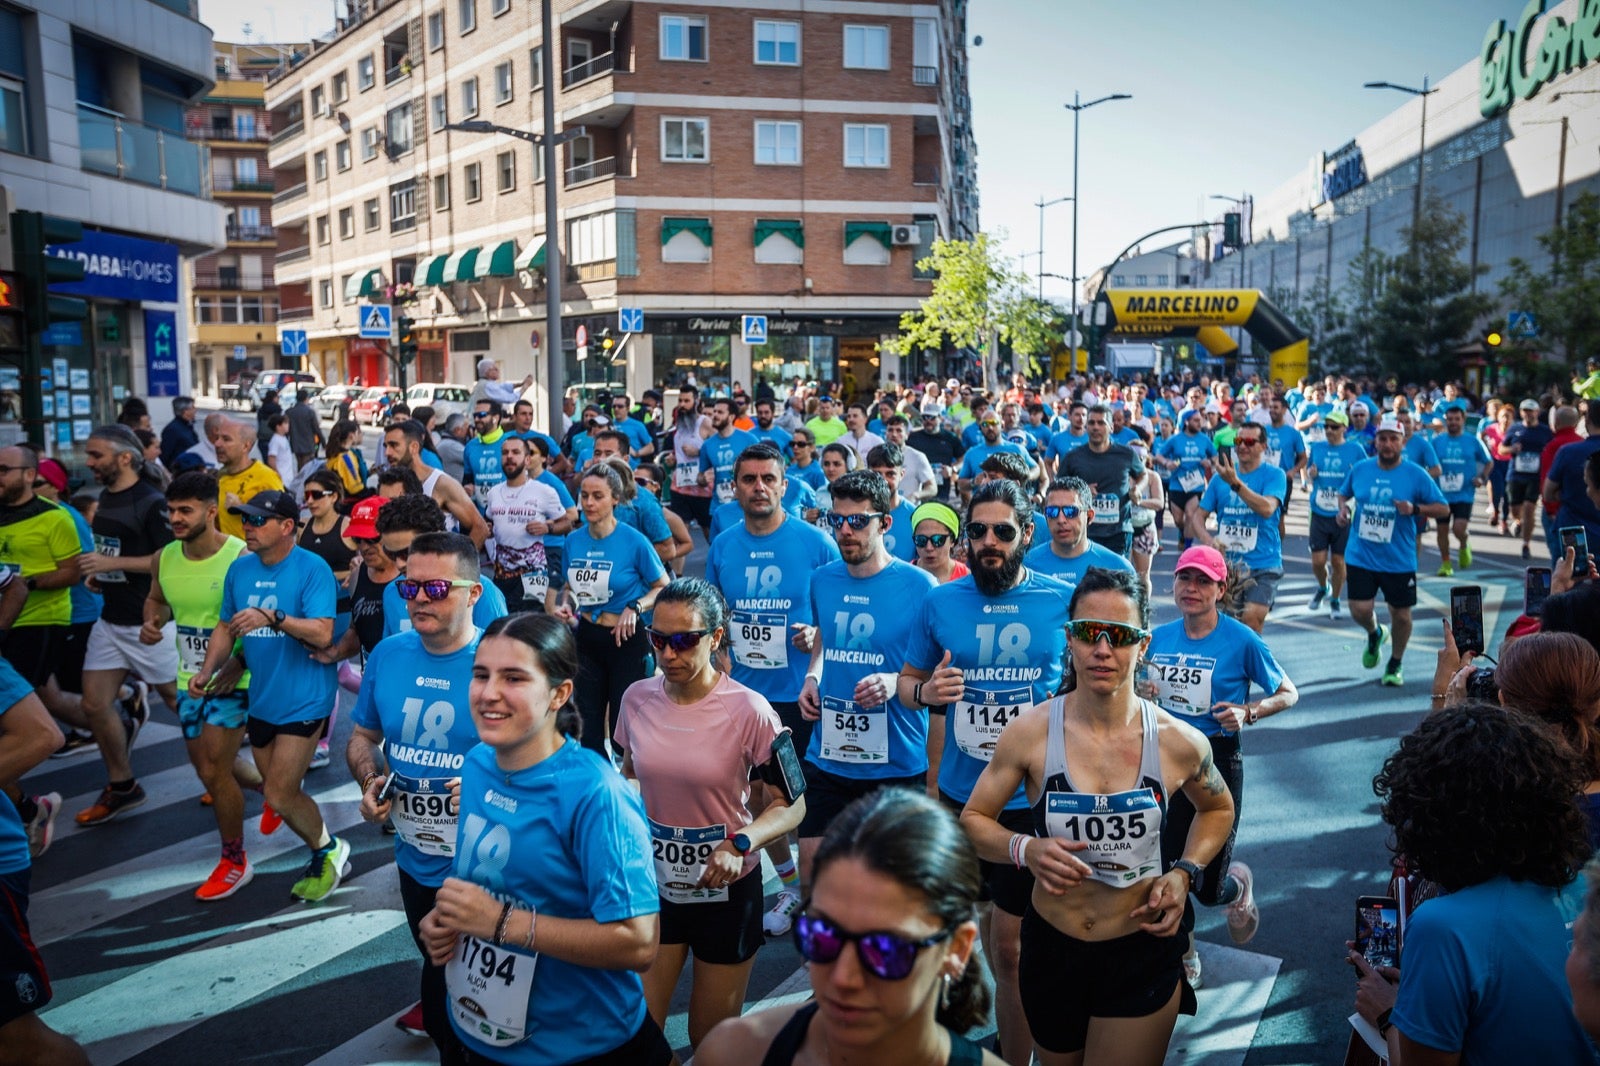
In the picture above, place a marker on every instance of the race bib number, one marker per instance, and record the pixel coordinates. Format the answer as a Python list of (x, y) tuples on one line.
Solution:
[(1275, 457), (590, 581), (488, 987), (1182, 683), (681, 856), (1107, 509), (685, 476), (725, 491), (193, 642), (760, 641), (1327, 500), (1315, 435), (421, 815), (1525, 462), (535, 583), (1376, 527), (1452, 482), (854, 734), (1192, 480), (982, 714), (110, 546), (1239, 535), (1123, 831)]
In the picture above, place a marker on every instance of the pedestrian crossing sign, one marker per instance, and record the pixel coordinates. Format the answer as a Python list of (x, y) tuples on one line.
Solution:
[(377, 321), (755, 329)]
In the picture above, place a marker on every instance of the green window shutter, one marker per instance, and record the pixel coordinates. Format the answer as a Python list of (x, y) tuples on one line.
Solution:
[(788, 227), (882, 231)]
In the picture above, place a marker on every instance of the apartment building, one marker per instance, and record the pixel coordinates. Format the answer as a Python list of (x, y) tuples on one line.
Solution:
[(735, 159)]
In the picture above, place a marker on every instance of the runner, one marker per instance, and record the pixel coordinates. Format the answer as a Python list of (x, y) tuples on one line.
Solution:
[(695, 740), (941, 447), (399, 523), (806, 466), (522, 510), (919, 482), (323, 534), (1112, 472), (1200, 669), (984, 650), (1147, 514), (767, 430), (888, 462), (552, 887), (690, 499), (1525, 442), (1464, 465), (720, 450), (989, 443), (1286, 450), (412, 730), (365, 586), (1332, 458), (938, 528), (1244, 494), (1101, 970), (480, 456), (240, 475), (1070, 552), (1191, 457), (763, 566), (402, 447), (1379, 499)]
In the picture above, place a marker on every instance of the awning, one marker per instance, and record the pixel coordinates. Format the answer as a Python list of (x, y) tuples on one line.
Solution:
[(462, 265), (700, 227), (882, 231), (502, 260), (430, 270), (363, 283), (788, 227), (532, 257)]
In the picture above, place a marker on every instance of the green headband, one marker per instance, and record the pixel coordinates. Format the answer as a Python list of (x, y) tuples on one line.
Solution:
[(940, 513)]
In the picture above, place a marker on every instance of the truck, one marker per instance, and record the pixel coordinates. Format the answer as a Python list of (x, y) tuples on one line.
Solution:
[(1124, 357)]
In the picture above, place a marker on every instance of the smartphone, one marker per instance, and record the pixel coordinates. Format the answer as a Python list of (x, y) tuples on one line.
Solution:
[(1535, 587), (785, 767), (1378, 930), (1466, 618), (1577, 538), (386, 793)]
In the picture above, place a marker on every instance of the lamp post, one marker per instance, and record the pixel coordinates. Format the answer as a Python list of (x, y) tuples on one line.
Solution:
[(1422, 146), (1244, 238), (1077, 108), (1041, 205)]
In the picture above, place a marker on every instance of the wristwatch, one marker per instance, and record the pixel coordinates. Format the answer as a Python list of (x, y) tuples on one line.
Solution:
[(277, 619), (1196, 874), (742, 842), (633, 605)]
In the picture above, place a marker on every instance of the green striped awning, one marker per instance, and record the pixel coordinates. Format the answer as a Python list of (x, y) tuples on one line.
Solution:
[(532, 257), (462, 265), (430, 270), (502, 260), (363, 283), (700, 227), (881, 231), (788, 227)]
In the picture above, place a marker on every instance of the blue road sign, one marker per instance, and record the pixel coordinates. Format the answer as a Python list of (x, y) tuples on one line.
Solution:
[(1522, 324), (755, 329), (292, 342), (630, 319), (377, 321)]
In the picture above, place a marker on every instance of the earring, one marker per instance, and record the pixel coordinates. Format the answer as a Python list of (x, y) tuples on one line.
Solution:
[(944, 993)]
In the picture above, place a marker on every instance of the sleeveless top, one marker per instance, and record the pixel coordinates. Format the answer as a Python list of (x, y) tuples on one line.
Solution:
[(330, 546), (450, 523), (786, 1045), (1123, 829), (193, 589), (366, 609)]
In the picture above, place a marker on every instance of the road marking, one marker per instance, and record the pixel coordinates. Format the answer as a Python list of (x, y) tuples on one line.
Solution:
[(381, 1045)]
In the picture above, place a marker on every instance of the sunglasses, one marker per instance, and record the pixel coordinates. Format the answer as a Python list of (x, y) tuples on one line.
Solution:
[(887, 956), (990, 422), (399, 555), (483, 414), (368, 542), (256, 521), (1248, 443), (938, 540), (314, 494), (1004, 530), (678, 642), (436, 589), (857, 522), (1117, 634), (1062, 510), (645, 483)]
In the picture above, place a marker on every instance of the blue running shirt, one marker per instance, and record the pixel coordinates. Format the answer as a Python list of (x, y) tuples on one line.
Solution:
[(1381, 538), (286, 683), (1250, 539), (1192, 676), (1332, 465), (1459, 460)]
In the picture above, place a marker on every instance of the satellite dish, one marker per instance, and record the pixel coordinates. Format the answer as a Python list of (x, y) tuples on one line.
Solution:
[(978, 40)]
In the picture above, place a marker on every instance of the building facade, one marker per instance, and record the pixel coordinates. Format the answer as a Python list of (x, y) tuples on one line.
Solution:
[(751, 159), (94, 98)]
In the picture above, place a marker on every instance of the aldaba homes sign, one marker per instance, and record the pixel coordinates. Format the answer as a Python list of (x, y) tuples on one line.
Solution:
[(121, 268), (1510, 68)]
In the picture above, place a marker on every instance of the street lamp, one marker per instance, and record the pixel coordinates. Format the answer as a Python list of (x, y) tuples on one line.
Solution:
[(1077, 109), (1041, 205), (1241, 204), (1422, 148)]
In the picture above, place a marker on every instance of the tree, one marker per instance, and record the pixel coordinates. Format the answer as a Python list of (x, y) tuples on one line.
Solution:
[(979, 298), (1427, 308), (1565, 299)]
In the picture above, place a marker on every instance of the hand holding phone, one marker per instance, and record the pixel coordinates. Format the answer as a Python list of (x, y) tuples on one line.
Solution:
[(1466, 619), (1378, 931), (1576, 538), (1535, 589)]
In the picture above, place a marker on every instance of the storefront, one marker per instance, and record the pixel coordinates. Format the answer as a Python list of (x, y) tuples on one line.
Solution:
[(706, 350)]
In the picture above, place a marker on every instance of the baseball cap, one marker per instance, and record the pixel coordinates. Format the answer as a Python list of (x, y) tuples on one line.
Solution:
[(932, 410), (1525, 405), (1391, 424), (952, 384), (364, 518), (1205, 559), (601, 420), (271, 503), (54, 473), (1338, 418)]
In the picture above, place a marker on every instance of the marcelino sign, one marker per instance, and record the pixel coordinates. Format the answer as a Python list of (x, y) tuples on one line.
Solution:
[(1511, 69)]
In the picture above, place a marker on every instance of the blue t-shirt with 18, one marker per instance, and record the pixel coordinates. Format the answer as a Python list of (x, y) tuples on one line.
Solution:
[(286, 684), (1191, 676)]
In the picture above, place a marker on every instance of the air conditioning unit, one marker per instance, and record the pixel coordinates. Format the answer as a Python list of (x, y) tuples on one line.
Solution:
[(906, 234)]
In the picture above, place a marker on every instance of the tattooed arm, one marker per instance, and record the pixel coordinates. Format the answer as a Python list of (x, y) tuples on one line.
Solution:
[(1186, 750)]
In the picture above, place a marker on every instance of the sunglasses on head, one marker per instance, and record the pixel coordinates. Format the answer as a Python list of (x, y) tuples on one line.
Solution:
[(678, 642), (1062, 510), (1004, 530), (938, 540), (1117, 634), (857, 522), (887, 956), (436, 589)]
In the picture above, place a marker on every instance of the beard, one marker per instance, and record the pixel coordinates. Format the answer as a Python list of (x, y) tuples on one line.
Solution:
[(993, 580)]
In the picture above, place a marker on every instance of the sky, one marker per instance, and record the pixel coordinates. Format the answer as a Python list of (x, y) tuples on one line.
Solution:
[(1230, 97)]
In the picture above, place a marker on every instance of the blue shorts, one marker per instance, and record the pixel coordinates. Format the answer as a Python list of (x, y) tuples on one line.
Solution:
[(224, 712), (13, 686)]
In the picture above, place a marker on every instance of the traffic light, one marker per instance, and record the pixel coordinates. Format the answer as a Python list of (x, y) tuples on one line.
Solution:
[(407, 332), (37, 270), (606, 343), (1231, 225), (1494, 340)]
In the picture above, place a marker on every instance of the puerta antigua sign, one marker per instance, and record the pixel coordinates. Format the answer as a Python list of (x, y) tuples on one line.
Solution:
[(1510, 68)]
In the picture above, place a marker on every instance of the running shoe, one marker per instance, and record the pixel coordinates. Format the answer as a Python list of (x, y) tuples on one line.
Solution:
[(1191, 970), (111, 804), (1505, 530), (42, 826), (73, 742), (1392, 676), (1334, 610), (1244, 917), (225, 880), (1318, 596), (1446, 570), (323, 873), (136, 709), (1525, 553), (1465, 559), (270, 820), (1375, 640), (319, 758), (781, 916), (410, 1022), (206, 800)]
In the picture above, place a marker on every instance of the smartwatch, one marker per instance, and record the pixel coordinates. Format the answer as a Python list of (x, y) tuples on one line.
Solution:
[(633, 605), (1196, 873), (277, 619), (742, 842)]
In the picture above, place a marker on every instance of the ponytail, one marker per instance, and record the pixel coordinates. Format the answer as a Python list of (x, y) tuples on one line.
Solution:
[(966, 1004)]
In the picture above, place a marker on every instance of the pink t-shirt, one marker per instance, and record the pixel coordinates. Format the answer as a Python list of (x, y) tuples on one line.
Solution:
[(693, 763)]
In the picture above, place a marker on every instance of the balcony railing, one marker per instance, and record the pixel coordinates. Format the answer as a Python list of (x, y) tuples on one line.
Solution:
[(395, 73), (294, 255), (291, 314), (925, 75), (234, 283), (925, 173), (132, 151), (293, 192), (237, 232), (593, 68), (592, 171), (229, 133), (229, 183), (293, 129)]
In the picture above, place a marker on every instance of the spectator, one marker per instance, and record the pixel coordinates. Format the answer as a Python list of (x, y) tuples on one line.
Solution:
[(135, 413), (490, 387), (452, 442), (157, 470), (1583, 964), (280, 455), (206, 446), (345, 458), (179, 435), (305, 429)]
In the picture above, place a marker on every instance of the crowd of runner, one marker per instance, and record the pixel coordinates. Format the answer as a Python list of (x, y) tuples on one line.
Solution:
[(916, 671)]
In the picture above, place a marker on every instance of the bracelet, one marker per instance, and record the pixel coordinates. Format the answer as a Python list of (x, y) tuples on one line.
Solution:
[(1019, 850), (533, 919), (1383, 1023), (1441, 695), (500, 926), (916, 695), (368, 778)]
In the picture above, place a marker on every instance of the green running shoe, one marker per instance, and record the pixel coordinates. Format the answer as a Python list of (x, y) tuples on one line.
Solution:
[(323, 873), (1392, 677), (1464, 557), (1369, 658)]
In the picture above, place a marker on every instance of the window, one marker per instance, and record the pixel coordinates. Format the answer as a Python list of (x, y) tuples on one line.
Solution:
[(435, 31), (324, 234), (780, 240), (441, 192), (467, 11), (366, 73), (686, 240), (347, 223), (244, 170), (469, 98), (397, 128), (325, 292), (1141, 279), (319, 166), (319, 101), (341, 87), (592, 239), (505, 166), (778, 143), (683, 140), (866, 47), (344, 287), (778, 42), (502, 83), (683, 37), (499, 7), (13, 116), (536, 68), (248, 219), (341, 154), (866, 243), (372, 214), (403, 205), (369, 143), (472, 178), (866, 146), (438, 112)]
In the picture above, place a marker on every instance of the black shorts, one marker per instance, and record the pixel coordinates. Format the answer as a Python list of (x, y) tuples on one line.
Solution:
[(1399, 589), (1521, 490), (1120, 543), (33, 650), (1327, 534), (1461, 511), (827, 794), (70, 649), (1180, 499), (789, 714), (724, 933), (1004, 885), (1066, 981), (263, 733), (24, 985)]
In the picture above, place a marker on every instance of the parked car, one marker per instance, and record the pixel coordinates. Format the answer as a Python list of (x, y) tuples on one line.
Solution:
[(372, 403), (329, 399), (446, 400), (280, 380)]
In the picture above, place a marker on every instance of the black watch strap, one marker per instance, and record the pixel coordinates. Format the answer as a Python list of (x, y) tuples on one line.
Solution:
[(1196, 873)]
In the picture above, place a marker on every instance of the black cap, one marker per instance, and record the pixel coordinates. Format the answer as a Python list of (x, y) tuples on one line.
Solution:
[(269, 504)]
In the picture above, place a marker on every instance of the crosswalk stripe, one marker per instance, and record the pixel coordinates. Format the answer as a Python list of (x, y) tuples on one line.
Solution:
[(381, 1045)]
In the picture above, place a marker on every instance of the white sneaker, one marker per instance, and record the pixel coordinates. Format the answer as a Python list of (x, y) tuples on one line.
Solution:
[(781, 917), (1244, 917), (320, 757), (42, 827), (1192, 970)]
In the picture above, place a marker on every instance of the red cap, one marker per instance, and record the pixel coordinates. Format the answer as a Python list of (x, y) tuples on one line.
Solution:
[(53, 472), (1208, 561), (363, 515)]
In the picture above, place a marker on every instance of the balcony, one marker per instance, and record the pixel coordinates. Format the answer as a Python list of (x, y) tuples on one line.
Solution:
[(294, 314), (925, 75), (229, 183), (242, 134), (237, 232), (293, 192), (294, 255), (131, 151), (584, 173), (925, 174), (593, 68), (293, 129), (232, 282), (398, 72)]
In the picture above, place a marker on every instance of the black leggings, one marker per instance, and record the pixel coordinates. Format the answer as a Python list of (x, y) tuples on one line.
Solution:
[(417, 899), (1216, 887), (604, 673), (693, 510)]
